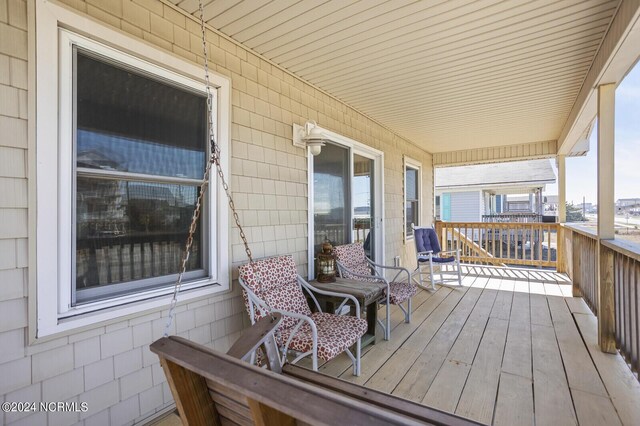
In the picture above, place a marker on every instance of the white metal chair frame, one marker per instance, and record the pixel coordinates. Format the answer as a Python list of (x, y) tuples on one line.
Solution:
[(429, 255), (255, 303), (377, 276)]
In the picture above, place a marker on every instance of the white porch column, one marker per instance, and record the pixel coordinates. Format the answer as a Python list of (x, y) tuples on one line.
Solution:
[(606, 204), (606, 210), (562, 189)]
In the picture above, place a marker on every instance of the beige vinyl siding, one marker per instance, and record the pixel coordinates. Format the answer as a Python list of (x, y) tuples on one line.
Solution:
[(110, 366), (466, 206)]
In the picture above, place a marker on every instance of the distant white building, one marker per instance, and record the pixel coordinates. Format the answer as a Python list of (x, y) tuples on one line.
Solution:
[(467, 193), (628, 202)]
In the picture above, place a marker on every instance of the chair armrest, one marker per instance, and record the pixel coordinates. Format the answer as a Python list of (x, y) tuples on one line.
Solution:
[(301, 319), (368, 277), (400, 269), (456, 251), (313, 289)]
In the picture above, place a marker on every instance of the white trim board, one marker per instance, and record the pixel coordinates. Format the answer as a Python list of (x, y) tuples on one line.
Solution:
[(50, 233), (361, 149)]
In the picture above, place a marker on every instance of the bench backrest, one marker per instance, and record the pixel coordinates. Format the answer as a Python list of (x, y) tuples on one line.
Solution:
[(212, 388)]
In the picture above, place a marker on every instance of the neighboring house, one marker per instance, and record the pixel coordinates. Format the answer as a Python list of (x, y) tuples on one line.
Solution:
[(628, 206), (549, 203), (467, 193)]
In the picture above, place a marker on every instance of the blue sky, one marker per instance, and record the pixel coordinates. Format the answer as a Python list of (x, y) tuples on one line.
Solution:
[(582, 171)]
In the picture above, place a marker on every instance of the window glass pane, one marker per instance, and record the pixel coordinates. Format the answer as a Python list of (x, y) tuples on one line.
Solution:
[(128, 231), (411, 184), (412, 216), (330, 195), (132, 123)]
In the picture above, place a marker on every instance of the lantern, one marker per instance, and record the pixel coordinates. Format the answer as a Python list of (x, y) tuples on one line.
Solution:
[(326, 264)]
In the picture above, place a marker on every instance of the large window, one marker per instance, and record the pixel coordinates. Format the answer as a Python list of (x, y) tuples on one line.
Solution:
[(121, 145), (411, 196), (140, 149)]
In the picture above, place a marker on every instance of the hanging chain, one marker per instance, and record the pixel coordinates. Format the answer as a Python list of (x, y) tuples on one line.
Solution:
[(214, 158)]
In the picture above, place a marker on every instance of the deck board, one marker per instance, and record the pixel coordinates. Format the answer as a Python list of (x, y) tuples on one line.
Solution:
[(479, 395), (447, 386), (517, 353), (581, 373), (514, 405), (594, 410), (394, 369), (553, 404), (623, 388), (466, 345), (382, 351), (415, 384), (502, 349)]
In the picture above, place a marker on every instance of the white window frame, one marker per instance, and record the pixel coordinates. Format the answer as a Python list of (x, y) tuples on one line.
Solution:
[(363, 150), (56, 29), (410, 163)]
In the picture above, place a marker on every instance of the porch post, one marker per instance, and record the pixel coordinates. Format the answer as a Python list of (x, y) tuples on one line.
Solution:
[(561, 246), (606, 231), (562, 189)]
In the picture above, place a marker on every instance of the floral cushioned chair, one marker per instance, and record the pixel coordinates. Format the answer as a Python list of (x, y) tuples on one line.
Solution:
[(430, 254), (273, 285), (354, 264)]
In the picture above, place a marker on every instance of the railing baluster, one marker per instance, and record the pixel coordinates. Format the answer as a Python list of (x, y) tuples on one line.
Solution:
[(635, 308)]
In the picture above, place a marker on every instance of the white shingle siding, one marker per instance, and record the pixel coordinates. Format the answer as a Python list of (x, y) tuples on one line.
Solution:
[(64, 386), (110, 366), (98, 373), (86, 351), (15, 375), (52, 363), (465, 206)]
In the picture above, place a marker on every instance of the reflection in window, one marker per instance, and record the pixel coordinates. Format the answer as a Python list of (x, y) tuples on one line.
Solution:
[(140, 152), (330, 195), (411, 199)]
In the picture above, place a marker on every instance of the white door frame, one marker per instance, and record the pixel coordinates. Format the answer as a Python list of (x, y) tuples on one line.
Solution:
[(363, 150)]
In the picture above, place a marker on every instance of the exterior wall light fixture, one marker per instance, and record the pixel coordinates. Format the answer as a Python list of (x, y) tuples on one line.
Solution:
[(309, 135)]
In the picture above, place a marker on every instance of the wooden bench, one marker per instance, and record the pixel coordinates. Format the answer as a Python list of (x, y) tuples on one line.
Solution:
[(212, 388)]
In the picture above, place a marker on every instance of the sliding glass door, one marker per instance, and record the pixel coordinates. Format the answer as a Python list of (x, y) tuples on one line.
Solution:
[(363, 229), (331, 196), (345, 193)]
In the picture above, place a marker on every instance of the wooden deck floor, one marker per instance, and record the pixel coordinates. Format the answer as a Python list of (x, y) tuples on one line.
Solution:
[(508, 347)]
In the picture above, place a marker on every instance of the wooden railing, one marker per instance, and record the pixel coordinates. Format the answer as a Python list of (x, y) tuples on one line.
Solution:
[(528, 244), (511, 217), (581, 254), (606, 273), (626, 290)]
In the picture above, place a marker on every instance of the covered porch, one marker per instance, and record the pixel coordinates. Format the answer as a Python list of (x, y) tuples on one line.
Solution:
[(396, 89), (508, 347), (511, 346)]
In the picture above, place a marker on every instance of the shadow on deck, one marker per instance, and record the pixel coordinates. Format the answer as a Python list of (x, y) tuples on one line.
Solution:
[(509, 347)]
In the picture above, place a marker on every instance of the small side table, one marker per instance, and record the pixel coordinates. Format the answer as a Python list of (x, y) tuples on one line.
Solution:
[(367, 294)]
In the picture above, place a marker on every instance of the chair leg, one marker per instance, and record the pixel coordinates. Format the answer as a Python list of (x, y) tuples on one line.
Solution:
[(408, 316), (358, 350), (314, 357), (388, 320), (433, 284), (413, 276)]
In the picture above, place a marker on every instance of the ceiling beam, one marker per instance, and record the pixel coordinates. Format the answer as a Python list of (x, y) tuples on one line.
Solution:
[(498, 154)]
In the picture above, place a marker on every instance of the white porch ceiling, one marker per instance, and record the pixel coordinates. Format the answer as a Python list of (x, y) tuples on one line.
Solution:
[(448, 75)]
